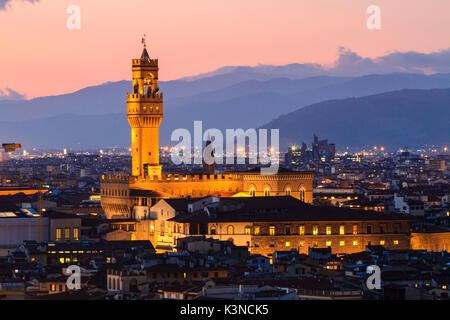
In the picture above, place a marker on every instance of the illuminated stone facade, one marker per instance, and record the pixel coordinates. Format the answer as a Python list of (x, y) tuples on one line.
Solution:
[(279, 229), (430, 241), (145, 113)]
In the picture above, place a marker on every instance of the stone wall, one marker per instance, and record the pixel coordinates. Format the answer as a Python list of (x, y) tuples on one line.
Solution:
[(430, 241)]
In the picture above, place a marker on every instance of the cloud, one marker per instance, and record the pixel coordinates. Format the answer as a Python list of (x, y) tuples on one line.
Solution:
[(350, 63), (4, 4), (10, 94)]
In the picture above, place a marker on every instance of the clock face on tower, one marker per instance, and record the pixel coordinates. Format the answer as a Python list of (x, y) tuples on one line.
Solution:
[(149, 79)]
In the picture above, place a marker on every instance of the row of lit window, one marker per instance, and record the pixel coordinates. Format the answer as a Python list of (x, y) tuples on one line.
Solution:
[(333, 198), (68, 260), (341, 243), (75, 252), (301, 230), (59, 234)]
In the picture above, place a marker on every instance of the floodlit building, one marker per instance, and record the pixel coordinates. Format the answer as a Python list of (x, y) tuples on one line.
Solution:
[(147, 184)]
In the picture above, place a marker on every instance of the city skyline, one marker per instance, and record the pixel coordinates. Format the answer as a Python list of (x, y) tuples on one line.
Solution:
[(290, 174)]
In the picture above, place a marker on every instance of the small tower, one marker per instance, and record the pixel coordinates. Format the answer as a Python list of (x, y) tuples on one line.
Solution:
[(145, 113)]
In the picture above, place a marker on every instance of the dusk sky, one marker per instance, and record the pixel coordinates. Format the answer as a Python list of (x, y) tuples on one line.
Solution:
[(40, 56)]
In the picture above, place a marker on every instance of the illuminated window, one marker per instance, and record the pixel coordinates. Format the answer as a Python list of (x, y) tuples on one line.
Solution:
[(328, 244), (288, 244), (58, 234), (67, 233), (342, 243), (272, 230), (395, 242), (266, 192), (315, 244), (341, 229), (302, 194), (61, 260), (169, 231), (328, 230), (302, 244), (288, 192), (76, 233), (315, 230), (381, 242), (247, 231), (355, 229), (252, 192), (355, 243), (301, 230), (230, 230), (256, 231)]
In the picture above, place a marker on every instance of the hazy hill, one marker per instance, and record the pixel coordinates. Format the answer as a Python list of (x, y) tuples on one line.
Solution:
[(392, 119)]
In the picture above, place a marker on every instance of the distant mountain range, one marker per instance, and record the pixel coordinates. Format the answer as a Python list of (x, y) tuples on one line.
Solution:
[(234, 98)]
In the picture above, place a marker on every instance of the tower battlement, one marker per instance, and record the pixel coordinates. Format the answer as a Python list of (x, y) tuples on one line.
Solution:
[(141, 63), (187, 178), (150, 96)]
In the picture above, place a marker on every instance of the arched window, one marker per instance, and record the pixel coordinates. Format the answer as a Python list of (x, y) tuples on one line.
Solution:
[(267, 192), (230, 230), (288, 192)]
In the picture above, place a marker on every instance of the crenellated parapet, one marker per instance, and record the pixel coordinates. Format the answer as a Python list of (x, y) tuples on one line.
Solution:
[(180, 178), (151, 96), (145, 63), (116, 178), (301, 175)]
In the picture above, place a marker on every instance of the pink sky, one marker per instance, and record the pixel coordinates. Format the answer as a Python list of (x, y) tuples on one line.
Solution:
[(40, 56)]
